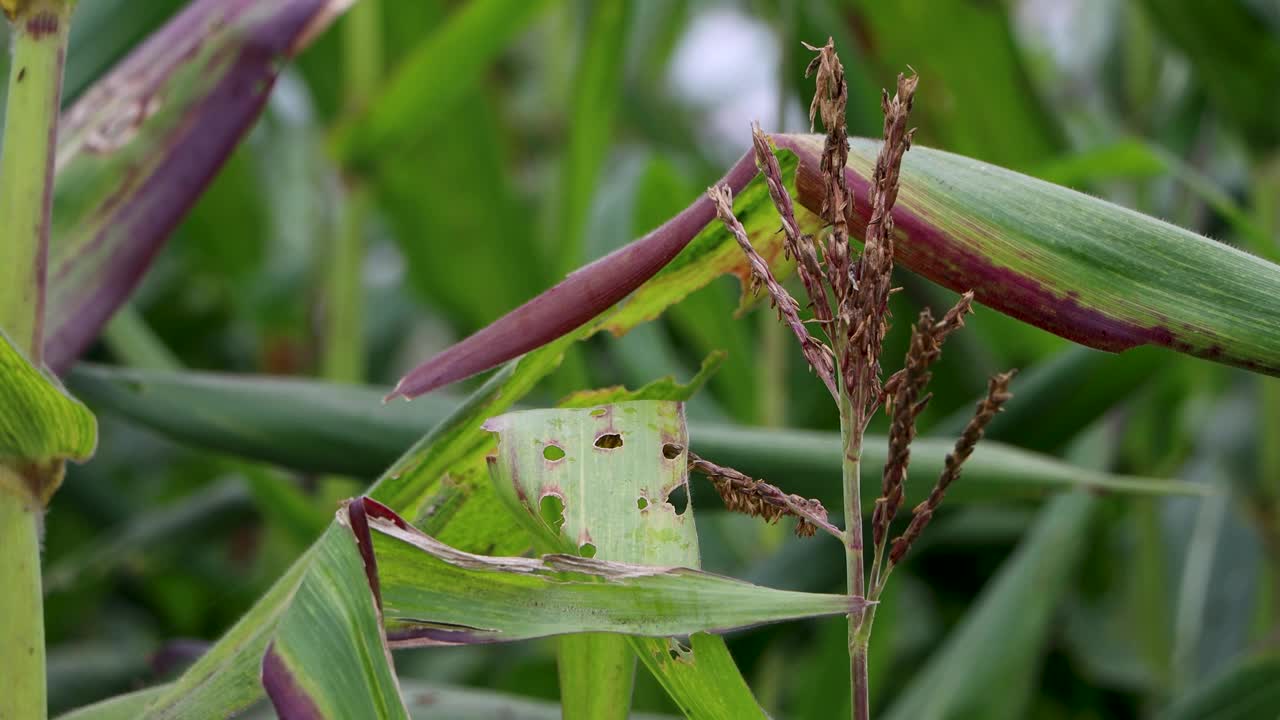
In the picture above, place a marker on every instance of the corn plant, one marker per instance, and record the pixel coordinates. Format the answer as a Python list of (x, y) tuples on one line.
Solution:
[(562, 523)]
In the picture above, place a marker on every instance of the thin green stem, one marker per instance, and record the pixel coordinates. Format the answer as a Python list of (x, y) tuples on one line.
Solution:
[(22, 683), (26, 198), (343, 353), (851, 432), (362, 59), (26, 167)]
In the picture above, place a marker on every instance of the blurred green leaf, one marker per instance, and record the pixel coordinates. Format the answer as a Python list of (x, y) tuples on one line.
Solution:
[(1248, 691), (1235, 52), (450, 224), (433, 78), (597, 91), (972, 71), (180, 521), (987, 666), (1057, 382), (317, 427)]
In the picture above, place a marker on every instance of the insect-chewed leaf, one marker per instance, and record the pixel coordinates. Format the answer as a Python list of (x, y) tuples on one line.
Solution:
[(615, 477)]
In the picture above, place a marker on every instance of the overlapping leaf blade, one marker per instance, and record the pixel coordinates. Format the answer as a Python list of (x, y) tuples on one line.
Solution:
[(317, 427), (138, 148)]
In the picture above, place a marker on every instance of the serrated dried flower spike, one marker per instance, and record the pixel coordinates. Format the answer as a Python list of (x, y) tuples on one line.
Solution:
[(997, 395), (758, 498), (815, 352)]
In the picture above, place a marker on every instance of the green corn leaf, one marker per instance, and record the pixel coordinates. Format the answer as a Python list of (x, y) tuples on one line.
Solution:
[(433, 594), (329, 656), (329, 659), (318, 427)]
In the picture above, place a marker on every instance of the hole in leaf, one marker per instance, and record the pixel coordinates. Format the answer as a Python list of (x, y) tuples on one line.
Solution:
[(553, 452), (679, 650), (642, 502), (609, 441), (587, 550), (671, 451), (598, 412), (679, 498), (551, 508)]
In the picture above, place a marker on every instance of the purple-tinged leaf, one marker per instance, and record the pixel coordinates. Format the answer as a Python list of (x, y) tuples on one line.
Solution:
[(1077, 266), (139, 147), (290, 700), (577, 299)]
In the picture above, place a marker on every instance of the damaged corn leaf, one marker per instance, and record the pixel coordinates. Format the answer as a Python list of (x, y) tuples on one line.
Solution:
[(41, 426), (1082, 268), (433, 594), (617, 474), (440, 484), (226, 679), (138, 148), (611, 481)]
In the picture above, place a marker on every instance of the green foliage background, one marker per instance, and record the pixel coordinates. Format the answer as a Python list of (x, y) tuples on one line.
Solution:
[(533, 140)]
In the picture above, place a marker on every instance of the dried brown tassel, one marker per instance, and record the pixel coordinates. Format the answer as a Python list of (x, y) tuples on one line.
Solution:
[(830, 97), (997, 395), (757, 498), (798, 245), (904, 391), (861, 363), (815, 352)]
